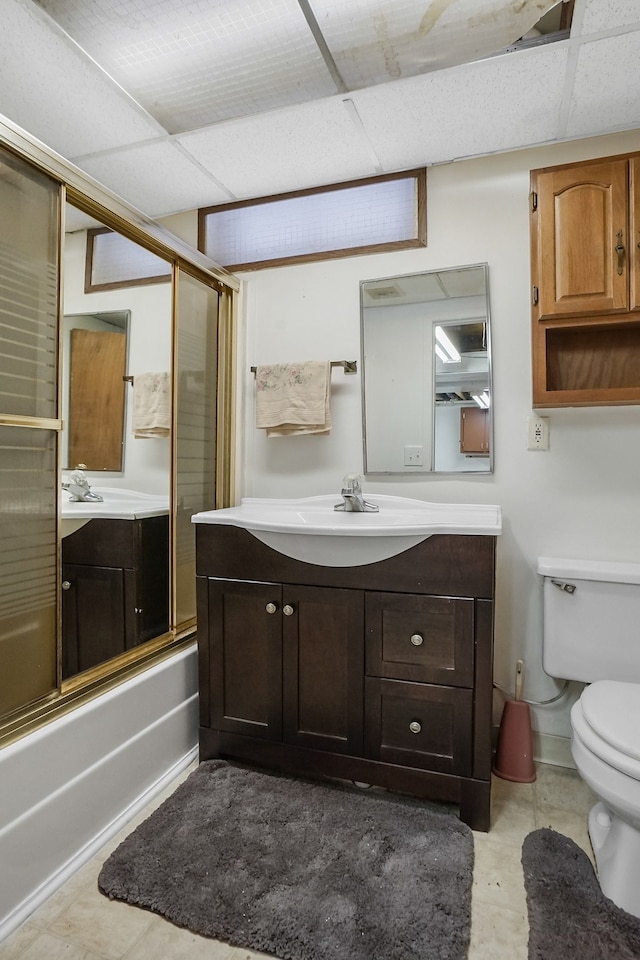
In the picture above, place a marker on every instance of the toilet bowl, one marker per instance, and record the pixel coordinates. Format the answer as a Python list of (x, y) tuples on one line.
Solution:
[(606, 751)]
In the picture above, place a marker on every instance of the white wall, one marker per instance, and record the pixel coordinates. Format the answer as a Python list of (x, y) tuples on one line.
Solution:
[(579, 499), (146, 461)]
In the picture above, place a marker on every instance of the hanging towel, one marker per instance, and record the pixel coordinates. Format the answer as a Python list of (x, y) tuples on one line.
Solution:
[(151, 405), (293, 398)]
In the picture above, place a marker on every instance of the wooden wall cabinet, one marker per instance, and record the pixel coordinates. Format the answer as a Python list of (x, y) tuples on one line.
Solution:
[(115, 589), (379, 673), (474, 432), (585, 269)]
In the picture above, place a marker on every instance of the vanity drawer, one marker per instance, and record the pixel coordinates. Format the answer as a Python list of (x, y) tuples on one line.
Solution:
[(419, 725), (423, 639)]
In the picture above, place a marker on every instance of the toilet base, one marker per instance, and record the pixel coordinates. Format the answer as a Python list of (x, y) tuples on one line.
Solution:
[(616, 845)]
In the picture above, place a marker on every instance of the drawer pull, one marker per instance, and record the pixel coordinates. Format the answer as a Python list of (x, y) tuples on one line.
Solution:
[(66, 585), (417, 639), (415, 726), (271, 607), (287, 609)]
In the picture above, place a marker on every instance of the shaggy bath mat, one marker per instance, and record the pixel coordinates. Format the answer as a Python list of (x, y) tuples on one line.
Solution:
[(569, 916), (301, 870)]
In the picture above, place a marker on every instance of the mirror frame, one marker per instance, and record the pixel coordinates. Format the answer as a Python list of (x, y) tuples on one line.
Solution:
[(428, 469)]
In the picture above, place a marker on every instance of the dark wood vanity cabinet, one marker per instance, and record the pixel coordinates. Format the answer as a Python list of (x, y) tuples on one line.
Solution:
[(115, 589), (379, 673)]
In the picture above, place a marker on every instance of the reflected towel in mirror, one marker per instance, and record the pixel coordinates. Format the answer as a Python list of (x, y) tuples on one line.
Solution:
[(294, 398), (151, 405)]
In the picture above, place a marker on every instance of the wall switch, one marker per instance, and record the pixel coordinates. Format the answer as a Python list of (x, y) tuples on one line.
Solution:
[(413, 456), (538, 433)]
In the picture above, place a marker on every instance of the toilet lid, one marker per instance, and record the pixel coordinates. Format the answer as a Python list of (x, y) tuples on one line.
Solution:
[(612, 710)]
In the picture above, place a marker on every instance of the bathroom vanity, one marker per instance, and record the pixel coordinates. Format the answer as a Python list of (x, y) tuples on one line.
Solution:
[(115, 588), (376, 672)]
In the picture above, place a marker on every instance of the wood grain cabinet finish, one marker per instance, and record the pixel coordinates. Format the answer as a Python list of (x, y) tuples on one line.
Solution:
[(585, 269), (322, 671), (115, 576), (474, 432)]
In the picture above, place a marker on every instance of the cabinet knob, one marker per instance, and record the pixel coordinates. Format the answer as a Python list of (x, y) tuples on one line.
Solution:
[(417, 639), (287, 609), (66, 585), (415, 726), (271, 607)]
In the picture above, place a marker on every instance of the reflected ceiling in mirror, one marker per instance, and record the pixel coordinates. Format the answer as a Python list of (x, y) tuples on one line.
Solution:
[(426, 381)]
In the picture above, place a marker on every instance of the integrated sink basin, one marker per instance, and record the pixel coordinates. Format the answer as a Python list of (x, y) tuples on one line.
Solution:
[(117, 504), (310, 529)]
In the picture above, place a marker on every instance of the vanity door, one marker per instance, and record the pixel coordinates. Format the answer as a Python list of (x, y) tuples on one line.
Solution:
[(323, 661), (245, 657)]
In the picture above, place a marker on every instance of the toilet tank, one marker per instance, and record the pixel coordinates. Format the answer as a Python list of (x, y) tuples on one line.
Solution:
[(593, 631)]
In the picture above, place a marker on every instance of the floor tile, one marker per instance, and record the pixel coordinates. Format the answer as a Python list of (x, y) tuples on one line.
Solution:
[(15, 945), (498, 934), (498, 877), (101, 925), (48, 947), (166, 941)]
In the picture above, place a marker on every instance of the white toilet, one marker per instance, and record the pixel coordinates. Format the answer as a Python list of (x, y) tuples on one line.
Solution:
[(592, 634)]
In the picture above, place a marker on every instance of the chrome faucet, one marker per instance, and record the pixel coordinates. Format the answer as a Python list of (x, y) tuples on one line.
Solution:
[(78, 486), (352, 498)]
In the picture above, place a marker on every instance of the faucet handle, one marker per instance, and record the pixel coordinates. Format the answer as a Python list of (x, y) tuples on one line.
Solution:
[(352, 482)]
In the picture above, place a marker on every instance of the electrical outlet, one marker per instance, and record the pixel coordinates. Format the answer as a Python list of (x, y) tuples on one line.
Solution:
[(413, 456), (538, 434)]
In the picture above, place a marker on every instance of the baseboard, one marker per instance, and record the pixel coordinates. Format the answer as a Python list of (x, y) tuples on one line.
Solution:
[(547, 748)]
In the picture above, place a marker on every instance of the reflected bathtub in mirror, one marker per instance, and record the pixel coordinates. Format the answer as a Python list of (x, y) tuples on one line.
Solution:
[(426, 372)]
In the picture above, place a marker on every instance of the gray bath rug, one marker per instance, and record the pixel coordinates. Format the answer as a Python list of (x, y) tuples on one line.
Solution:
[(569, 916), (301, 870)]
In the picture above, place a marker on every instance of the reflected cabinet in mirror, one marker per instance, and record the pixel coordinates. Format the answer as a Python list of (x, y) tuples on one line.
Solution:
[(426, 372)]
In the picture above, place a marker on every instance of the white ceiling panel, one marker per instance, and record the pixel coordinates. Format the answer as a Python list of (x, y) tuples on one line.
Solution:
[(195, 62), (608, 14), (155, 177), (257, 97), (606, 92), (290, 149), (499, 104), (53, 91), (374, 41)]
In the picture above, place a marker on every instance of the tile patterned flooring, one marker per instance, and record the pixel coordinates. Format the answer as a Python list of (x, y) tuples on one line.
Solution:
[(78, 923)]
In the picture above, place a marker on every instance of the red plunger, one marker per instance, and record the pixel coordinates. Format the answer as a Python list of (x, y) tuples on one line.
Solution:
[(514, 752)]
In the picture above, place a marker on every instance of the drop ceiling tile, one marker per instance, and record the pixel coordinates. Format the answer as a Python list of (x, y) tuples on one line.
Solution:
[(374, 41), (50, 89), (607, 16), (498, 104), (196, 62), (606, 89), (157, 178), (309, 145)]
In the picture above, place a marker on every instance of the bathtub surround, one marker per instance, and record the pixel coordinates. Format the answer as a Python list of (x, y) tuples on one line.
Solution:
[(71, 785), (569, 916), (301, 869)]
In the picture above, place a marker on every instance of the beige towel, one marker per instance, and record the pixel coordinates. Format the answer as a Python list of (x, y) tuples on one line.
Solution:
[(293, 398), (151, 405)]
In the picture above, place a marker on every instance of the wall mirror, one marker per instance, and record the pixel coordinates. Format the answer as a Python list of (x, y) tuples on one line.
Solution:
[(426, 372), (94, 364)]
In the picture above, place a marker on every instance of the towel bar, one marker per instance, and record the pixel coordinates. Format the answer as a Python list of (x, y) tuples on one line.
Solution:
[(350, 366)]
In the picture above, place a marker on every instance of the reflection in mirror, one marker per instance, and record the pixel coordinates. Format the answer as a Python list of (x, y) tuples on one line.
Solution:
[(115, 551), (94, 364), (426, 372)]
